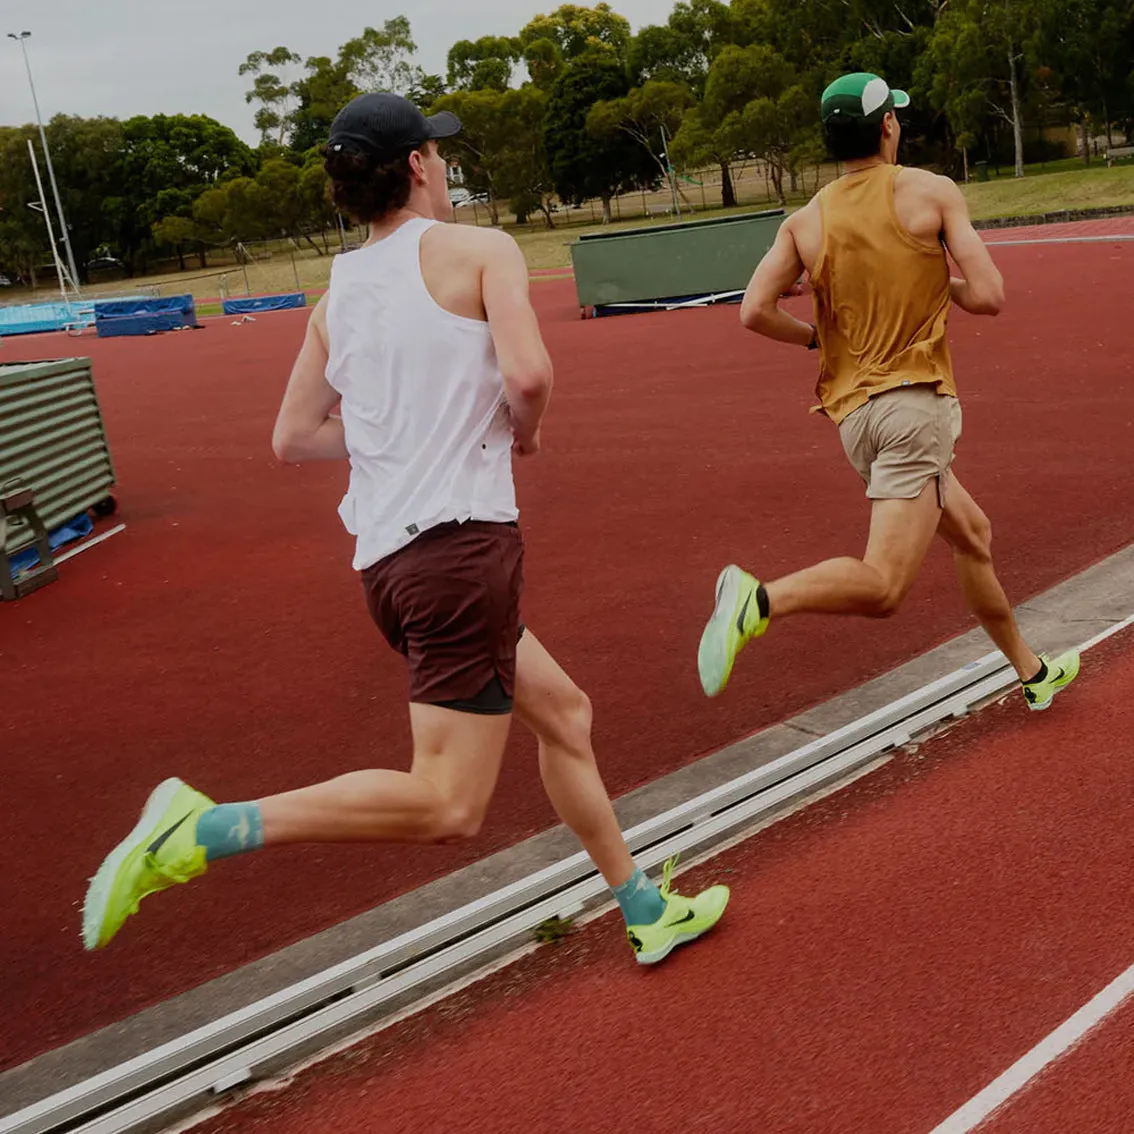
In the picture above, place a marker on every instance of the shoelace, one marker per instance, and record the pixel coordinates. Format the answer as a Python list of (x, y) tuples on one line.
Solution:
[(174, 872), (664, 890)]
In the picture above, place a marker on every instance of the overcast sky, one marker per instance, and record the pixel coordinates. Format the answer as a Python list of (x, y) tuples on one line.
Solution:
[(125, 57)]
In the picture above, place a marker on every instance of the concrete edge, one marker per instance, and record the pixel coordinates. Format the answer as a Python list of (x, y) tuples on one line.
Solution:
[(1065, 615), (1062, 216)]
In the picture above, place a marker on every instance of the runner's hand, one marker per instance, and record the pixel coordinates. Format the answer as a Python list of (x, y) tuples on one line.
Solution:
[(526, 446)]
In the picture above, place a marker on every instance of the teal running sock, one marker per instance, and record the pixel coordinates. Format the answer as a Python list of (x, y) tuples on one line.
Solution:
[(639, 899), (230, 828)]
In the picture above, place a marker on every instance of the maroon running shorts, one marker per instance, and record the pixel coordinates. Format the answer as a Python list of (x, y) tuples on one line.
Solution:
[(450, 603)]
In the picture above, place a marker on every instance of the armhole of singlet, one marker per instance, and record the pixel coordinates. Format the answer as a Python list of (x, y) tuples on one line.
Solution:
[(902, 231), (332, 316), (459, 320), (821, 259)]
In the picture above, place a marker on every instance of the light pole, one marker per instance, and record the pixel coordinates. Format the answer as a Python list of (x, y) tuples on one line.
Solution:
[(41, 207), (21, 38)]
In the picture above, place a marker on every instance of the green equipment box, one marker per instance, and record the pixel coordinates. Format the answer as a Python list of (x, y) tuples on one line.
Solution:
[(699, 260)]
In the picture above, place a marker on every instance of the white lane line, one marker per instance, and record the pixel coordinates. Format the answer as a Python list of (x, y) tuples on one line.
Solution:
[(1047, 1051), (1060, 240), (89, 544), (980, 1106), (1090, 643)]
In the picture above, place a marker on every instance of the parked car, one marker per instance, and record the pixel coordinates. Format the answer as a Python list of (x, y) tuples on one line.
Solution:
[(459, 198)]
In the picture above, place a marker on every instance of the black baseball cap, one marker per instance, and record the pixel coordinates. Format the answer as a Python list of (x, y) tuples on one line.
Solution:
[(381, 124)]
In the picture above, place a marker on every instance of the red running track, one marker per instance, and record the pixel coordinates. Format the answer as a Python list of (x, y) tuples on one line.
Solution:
[(223, 637), (1077, 230), (1090, 1090), (887, 953)]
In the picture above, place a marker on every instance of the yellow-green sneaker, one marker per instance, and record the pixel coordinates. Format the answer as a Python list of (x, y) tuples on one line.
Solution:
[(1061, 671), (735, 621), (160, 852), (684, 919)]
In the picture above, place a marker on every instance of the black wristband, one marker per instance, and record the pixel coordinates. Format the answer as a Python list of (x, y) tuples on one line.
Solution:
[(814, 344)]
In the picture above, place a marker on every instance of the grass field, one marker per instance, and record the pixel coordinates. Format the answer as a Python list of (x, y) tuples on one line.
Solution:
[(1062, 185), (1004, 196), (1093, 187)]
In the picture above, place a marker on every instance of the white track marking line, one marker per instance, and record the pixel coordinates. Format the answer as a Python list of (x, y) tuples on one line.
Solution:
[(1102, 636), (88, 544), (1059, 240), (1047, 1051)]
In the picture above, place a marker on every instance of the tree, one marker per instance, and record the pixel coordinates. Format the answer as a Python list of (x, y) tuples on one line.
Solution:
[(317, 213), (682, 49), (500, 147), (24, 246), (175, 232), (1087, 46), (209, 211), (426, 90), (806, 36), (583, 165), (525, 174), (486, 64), (116, 179), (301, 111), (643, 115), (283, 199), (249, 211), (380, 59), (576, 30), (974, 55), (481, 142), (755, 104), (271, 90), (321, 94), (287, 192), (83, 152), (698, 144), (237, 211), (163, 164), (544, 61), (773, 127), (278, 181)]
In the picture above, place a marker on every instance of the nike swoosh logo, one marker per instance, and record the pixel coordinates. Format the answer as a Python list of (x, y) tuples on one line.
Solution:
[(159, 842), (689, 916), (744, 612), (1059, 675)]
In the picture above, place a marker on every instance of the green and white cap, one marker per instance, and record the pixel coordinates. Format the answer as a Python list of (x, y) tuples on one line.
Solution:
[(860, 97)]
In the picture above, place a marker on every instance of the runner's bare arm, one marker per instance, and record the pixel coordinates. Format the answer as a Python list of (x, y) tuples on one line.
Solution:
[(523, 359), (305, 428), (981, 291), (776, 273)]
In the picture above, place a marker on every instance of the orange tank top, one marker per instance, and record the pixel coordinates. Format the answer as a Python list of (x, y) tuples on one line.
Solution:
[(882, 297)]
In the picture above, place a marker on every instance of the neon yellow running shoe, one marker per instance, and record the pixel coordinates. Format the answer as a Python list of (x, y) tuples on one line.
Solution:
[(684, 919), (735, 621), (158, 853), (1061, 671)]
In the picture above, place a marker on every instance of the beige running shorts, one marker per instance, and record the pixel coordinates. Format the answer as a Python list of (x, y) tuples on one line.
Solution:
[(900, 439)]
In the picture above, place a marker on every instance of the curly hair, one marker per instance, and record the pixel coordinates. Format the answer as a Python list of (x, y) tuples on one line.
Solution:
[(365, 188)]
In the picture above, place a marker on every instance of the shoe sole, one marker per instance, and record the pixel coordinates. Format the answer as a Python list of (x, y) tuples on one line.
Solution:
[(714, 665), (1069, 675), (680, 939), (98, 893)]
